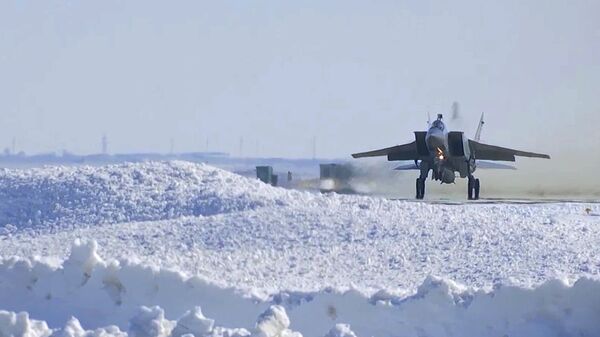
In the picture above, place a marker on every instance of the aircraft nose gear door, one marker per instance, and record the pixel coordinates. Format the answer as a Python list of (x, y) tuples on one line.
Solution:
[(473, 188)]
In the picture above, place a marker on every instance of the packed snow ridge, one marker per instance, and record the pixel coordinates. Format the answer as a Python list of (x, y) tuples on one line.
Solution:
[(116, 298), (155, 242), (239, 232), (125, 192)]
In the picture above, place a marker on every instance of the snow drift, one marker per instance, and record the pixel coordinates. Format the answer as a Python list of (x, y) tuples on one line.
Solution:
[(118, 298), (125, 192), (180, 249), (150, 322), (272, 239)]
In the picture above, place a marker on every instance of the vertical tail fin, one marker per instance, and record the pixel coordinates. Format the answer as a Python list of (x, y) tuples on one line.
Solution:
[(479, 128)]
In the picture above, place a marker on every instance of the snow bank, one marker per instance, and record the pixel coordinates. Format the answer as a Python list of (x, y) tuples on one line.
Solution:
[(125, 192), (73, 328), (258, 238), (193, 322), (148, 322), (274, 323), (12, 324), (354, 266), (341, 330), (117, 298)]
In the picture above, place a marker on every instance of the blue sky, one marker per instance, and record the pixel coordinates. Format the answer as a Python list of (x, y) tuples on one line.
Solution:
[(356, 75)]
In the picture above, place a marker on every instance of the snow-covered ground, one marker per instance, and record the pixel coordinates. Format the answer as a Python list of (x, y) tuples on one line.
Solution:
[(141, 246)]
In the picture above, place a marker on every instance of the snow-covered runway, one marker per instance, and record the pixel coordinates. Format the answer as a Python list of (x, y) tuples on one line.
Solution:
[(235, 246)]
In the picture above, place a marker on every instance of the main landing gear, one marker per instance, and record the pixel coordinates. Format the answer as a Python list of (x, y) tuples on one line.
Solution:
[(473, 188), (420, 188)]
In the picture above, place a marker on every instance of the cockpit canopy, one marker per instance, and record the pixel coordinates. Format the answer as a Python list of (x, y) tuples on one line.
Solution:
[(438, 124)]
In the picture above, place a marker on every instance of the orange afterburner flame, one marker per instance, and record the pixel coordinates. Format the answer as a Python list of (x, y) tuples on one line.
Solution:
[(440, 154)]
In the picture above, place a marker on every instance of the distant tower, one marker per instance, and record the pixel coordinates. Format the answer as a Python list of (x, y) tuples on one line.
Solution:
[(171, 146), (104, 144)]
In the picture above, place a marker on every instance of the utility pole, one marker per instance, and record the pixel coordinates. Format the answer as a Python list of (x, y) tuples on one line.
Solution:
[(104, 144)]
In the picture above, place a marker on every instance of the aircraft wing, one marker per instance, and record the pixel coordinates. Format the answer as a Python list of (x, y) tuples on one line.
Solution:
[(398, 152), (491, 152)]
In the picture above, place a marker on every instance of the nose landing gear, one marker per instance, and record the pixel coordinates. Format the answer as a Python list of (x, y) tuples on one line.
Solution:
[(473, 188)]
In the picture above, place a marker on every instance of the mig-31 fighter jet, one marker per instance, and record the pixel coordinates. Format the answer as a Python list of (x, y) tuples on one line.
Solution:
[(445, 152)]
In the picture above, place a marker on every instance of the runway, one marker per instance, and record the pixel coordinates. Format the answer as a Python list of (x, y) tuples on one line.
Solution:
[(501, 201)]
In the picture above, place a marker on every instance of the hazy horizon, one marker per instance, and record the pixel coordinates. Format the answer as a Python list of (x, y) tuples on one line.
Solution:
[(355, 76)]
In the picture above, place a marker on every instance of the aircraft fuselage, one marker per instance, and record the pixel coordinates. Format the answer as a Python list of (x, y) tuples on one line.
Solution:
[(440, 161)]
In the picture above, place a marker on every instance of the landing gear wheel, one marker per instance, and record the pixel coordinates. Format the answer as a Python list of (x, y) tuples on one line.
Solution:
[(420, 188), (418, 185), (470, 185), (473, 189)]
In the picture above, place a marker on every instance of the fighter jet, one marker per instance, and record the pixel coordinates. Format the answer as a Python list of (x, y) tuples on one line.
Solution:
[(446, 153)]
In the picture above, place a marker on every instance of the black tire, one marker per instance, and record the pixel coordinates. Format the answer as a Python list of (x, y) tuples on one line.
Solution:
[(470, 184), (418, 185), (477, 186)]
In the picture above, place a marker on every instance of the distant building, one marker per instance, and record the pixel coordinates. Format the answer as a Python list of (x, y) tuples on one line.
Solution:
[(335, 178), (265, 174)]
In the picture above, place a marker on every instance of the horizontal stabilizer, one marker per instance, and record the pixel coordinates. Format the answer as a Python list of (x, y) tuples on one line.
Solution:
[(487, 165), (407, 167)]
